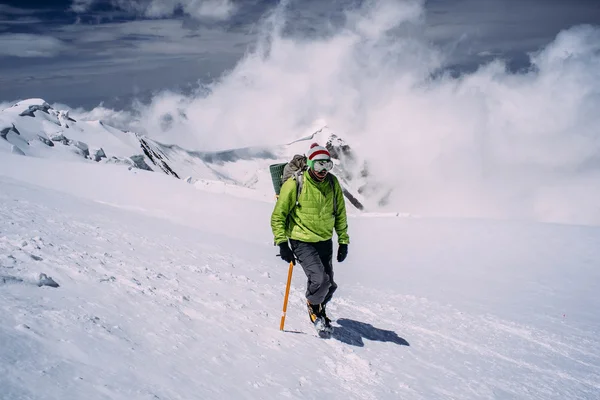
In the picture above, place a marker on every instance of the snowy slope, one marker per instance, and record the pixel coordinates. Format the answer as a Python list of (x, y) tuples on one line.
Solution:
[(41, 131), (178, 296)]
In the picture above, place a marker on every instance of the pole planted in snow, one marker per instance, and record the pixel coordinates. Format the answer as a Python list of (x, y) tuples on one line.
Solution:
[(287, 293)]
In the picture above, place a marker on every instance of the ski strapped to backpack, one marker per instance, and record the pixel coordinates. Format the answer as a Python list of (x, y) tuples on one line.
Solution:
[(295, 169)]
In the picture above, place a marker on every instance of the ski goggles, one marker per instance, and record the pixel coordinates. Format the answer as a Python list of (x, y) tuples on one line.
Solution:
[(322, 165)]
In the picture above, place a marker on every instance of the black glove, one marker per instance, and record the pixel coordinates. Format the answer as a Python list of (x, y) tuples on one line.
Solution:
[(342, 252), (286, 253)]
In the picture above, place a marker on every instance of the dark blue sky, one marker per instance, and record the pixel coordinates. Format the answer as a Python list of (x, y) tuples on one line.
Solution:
[(84, 52)]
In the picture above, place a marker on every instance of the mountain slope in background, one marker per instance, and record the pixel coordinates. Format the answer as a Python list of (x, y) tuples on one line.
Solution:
[(34, 128), (179, 296)]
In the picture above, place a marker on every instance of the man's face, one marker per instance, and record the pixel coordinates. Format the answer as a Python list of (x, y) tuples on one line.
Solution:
[(322, 167), (321, 175)]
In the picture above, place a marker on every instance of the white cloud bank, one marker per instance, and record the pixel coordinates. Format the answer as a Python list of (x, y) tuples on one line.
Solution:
[(214, 9), (490, 143)]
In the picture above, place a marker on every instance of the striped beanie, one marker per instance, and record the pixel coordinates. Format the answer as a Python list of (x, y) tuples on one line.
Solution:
[(317, 152)]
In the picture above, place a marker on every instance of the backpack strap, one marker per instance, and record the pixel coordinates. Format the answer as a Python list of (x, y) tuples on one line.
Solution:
[(332, 183), (299, 177)]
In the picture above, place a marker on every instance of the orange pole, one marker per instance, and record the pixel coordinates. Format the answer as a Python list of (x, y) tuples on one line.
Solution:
[(287, 293)]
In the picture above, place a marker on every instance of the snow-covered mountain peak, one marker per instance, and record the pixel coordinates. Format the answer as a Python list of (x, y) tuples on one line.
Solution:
[(22, 105), (34, 128)]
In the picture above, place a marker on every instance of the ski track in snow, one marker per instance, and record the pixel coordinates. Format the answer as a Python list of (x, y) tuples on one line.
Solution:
[(148, 309)]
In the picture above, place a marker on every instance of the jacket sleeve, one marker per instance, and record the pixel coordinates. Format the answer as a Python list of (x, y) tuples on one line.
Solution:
[(285, 204), (341, 219)]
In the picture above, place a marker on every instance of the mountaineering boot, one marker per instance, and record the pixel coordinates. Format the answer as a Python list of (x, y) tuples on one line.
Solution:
[(316, 315), (326, 320), (314, 311)]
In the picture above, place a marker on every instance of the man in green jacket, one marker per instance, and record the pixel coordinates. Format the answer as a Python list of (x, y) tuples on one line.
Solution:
[(308, 222)]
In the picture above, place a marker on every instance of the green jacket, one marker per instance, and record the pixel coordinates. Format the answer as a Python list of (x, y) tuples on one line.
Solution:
[(313, 219)]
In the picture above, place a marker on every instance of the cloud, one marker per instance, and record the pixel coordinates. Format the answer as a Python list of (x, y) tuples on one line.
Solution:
[(212, 9), (30, 45), (117, 118), (5, 104), (10, 16), (126, 41), (113, 63), (18, 21), (81, 6), (488, 143), (6, 9), (215, 9)]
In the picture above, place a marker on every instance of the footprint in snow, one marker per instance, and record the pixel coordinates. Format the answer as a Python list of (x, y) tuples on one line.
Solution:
[(5, 279)]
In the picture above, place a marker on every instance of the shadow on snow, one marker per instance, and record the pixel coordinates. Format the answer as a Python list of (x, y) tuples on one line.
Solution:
[(353, 332)]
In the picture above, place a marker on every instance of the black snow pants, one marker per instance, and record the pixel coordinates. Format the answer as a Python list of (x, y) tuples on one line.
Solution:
[(315, 259)]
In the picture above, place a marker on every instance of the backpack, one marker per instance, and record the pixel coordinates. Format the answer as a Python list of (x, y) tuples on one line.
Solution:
[(295, 168)]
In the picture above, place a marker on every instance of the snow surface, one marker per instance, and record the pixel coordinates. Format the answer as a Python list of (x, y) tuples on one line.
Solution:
[(168, 291)]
